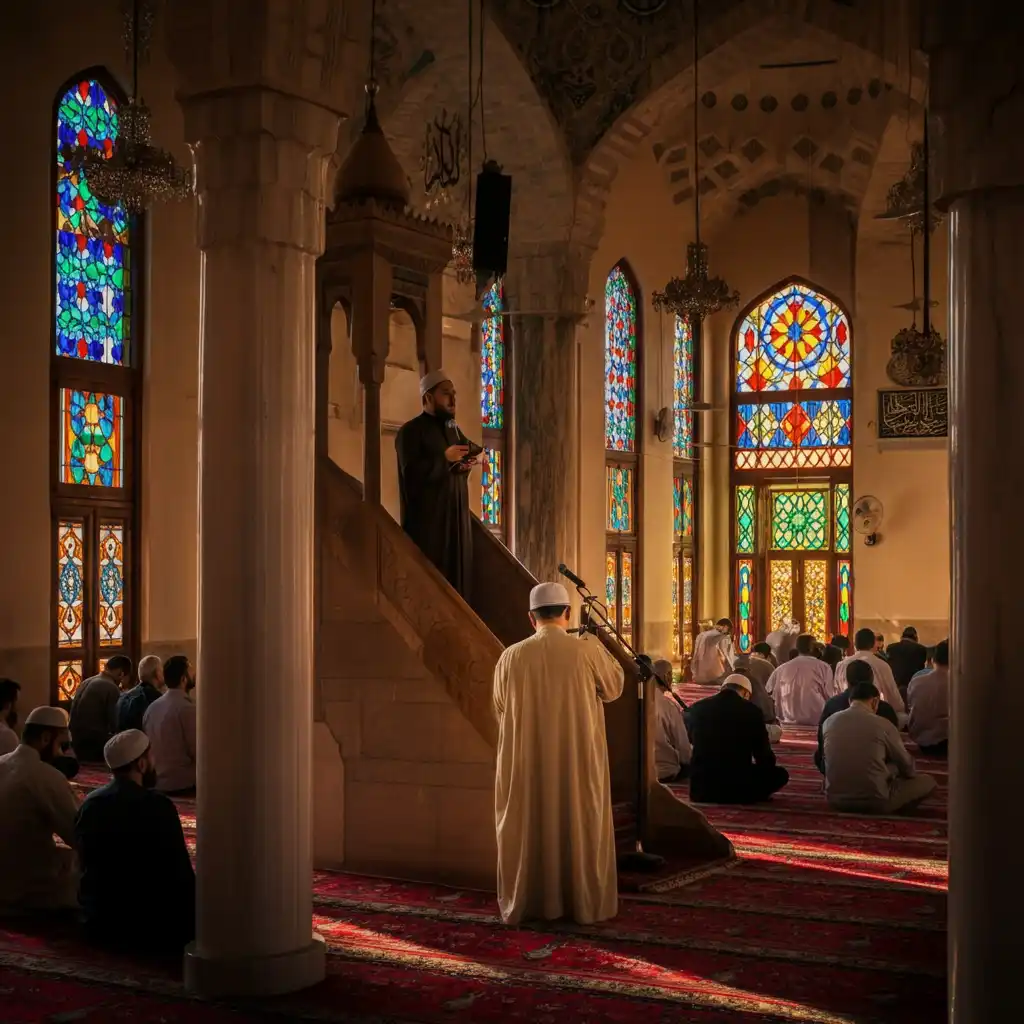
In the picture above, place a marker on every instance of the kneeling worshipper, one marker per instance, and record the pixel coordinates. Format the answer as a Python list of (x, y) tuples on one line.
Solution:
[(133, 703), (733, 761), (552, 786), (138, 889), (802, 685), (758, 668), (434, 462), (36, 803), (865, 643), (858, 672), (867, 768), (9, 691), (672, 748), (713, 654), (928, 697), (906, 658), (782, 641), (94, 708)]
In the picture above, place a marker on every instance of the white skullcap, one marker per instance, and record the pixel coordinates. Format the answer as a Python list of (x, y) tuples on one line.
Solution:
[(738, 680), (548, 595), (51, 718), (124, 748), (431, 380)]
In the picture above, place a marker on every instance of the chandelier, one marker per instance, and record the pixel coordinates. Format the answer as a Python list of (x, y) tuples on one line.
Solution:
[(906, 199), (462, 253), (696, 296)]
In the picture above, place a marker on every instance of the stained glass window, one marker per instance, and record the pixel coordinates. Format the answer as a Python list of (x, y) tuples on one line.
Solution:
[(795, 339), (91, 426), (69, 678), (780, 593), (70, 582), (789, 435), (746, 520), (675, 608), (491, 487), (626, 597), (842, 513), (799, 520), (620, 346), (745, 604), (682, 391), (620, 499), (677, 506), (816, 587), (492, 360), (111, 584), (844, 585), (687, 605), (611, 580), (93, 266)]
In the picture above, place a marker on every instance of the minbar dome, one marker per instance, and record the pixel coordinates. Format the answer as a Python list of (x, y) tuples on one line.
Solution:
[(371, 170)]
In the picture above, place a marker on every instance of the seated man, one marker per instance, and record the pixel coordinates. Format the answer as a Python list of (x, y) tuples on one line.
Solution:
[(865, 643), (867, 768), (758, 668), (9, 691), (132, 704), (906, 658), (94, 708), (138, 886), (928, 697), (801, 686), (713, 654), (732, 761), (170, 724), (36, 803), (672, 749), (858, 672)]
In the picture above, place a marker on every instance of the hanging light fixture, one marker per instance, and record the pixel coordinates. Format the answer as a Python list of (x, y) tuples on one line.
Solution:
[(906, 199), (696, 296), (137, 173), (462, 230)]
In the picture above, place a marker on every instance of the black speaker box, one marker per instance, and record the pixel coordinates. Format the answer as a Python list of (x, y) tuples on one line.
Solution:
[(490, 231)]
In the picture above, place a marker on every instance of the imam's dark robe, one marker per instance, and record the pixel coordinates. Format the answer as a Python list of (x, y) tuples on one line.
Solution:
[(435, 498)]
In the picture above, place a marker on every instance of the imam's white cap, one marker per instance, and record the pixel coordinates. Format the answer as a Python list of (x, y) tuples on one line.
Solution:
[(431, 380)]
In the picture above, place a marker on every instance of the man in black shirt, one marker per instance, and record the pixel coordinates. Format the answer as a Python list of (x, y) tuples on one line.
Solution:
[(906, 658), (132, 704), (137, 887)]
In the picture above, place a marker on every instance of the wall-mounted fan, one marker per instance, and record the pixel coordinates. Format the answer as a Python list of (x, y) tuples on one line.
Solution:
[(868, 512)]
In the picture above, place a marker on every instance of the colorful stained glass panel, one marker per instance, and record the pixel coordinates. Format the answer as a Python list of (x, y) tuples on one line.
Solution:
[(69, 678), (492, 360), (92, 253), (800, 520), (677, 506), (611, 581), (620, 363), (687, 507), (491, 485), (745, 605), (746, 520), (620, 499), (687, 605), (816, 587), (91, 434), (682, 390), (780, 593), (842, 513), (111, 584), (70, 582), (795, 339), (843, 605), (675, 608), (626, 598), (794, 425)]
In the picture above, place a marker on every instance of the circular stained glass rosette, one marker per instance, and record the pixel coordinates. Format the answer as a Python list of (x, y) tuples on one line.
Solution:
[(796, 331)]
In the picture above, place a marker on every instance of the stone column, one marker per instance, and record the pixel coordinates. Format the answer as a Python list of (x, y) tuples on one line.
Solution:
[(979, 134), (261, 158)]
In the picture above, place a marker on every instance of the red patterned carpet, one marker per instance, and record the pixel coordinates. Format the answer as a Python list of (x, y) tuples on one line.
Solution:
[(825, 918)]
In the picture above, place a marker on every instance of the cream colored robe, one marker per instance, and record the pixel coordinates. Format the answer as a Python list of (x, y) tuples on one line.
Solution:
[(552, 790)]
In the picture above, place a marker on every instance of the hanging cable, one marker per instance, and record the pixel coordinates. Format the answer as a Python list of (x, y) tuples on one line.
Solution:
[(480, 84), (470, 103)]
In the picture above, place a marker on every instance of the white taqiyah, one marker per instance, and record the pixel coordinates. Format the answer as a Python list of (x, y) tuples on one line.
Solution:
[(432, 379), (737, 680), (124, 748), (548, 595), (50, 718)]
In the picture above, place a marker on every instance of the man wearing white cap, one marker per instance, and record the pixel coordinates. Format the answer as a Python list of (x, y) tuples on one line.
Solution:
[(37, 803), (552, 789), (133, 856), (434, 462), (733, 761)]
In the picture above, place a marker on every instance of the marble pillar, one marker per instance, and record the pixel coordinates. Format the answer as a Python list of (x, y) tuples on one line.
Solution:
[(977, 97), (261, 159)]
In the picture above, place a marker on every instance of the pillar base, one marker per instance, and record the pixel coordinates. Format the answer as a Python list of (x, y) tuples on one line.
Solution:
[(216, 977)]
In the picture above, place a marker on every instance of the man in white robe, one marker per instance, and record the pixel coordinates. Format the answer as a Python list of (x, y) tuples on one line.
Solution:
[(713, 653), (552, 788), (865, 643), (801, 686)]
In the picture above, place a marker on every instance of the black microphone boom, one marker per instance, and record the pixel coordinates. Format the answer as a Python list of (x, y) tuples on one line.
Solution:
[(570, 575)]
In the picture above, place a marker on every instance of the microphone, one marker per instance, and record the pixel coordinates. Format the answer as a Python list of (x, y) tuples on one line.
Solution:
[(570, 575)]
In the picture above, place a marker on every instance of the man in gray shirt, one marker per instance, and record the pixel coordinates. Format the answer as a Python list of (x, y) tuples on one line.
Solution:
[(867, 768), (94, 708)]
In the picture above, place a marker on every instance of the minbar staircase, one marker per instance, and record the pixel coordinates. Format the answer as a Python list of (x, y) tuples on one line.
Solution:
[(406, 733)]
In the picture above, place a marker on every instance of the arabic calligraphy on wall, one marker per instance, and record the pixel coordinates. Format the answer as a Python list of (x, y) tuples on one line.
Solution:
[(913, 413)]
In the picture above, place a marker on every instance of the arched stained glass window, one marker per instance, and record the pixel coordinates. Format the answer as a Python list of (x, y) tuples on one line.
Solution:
[(98, 383), (684, 451), (682, 390), (620, 370), (493, 476)]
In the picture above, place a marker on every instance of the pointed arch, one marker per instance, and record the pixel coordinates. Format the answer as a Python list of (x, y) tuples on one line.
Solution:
[(792, 462), (96, 358)]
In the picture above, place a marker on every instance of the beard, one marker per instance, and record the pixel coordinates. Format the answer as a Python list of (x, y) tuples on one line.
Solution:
[(149, 778)]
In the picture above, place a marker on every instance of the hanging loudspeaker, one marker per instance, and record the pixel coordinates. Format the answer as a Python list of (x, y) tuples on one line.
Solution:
[(493, 210)]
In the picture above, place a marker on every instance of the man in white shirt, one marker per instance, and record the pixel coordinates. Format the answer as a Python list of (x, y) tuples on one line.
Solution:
[(928, 698), (864, 642), (672, 750), (801, 686), (713, 654), (9, 691), (170, 724), (36, 802), (867, 768)]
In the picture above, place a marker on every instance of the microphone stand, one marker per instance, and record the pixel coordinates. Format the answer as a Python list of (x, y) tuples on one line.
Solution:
[(638, 860)]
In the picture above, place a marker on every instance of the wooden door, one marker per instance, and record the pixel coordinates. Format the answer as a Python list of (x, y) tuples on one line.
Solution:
[(798, 588)]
